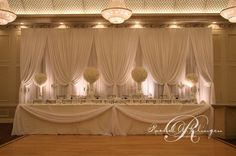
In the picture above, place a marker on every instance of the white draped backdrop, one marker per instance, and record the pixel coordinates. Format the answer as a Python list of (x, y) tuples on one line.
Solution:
[(167, 54)]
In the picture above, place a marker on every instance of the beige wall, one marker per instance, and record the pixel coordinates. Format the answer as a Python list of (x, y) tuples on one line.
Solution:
[(9, 73), (224, 54), (224, 42)]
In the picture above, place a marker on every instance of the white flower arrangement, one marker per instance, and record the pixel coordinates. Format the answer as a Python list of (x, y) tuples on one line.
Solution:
[(139, 74), (40, 79), (192, 77), (91, 75)]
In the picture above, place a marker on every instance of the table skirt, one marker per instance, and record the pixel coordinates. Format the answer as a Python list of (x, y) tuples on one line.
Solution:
[(100, 119)]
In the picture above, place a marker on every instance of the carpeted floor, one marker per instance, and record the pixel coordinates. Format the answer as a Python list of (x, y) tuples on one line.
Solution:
[(5, 133)]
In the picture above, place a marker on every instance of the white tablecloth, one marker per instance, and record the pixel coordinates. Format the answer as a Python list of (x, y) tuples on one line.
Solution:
[(104, 119)]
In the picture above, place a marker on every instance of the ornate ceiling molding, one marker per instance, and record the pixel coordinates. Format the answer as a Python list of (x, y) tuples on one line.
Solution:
[(35, 13), (144, 21), (24, 7)]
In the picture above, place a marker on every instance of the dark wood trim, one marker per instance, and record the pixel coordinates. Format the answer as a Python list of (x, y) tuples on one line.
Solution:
[(142, 18)]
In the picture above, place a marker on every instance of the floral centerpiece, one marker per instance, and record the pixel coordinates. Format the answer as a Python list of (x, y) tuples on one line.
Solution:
[(39, 80), (91, 75), (193, 78), (139, 74)]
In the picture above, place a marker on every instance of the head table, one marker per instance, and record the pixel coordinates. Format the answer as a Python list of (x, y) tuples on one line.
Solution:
[(100, 118)]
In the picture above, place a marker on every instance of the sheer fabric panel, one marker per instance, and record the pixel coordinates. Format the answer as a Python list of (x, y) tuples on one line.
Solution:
[(33, 44), (201, 42), (116, 50), (167, 54), (69, 52), (164, 53)]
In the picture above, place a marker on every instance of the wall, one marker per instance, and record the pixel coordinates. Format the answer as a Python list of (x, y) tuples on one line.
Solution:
[(224, 42), (224, 56), (9, 73)]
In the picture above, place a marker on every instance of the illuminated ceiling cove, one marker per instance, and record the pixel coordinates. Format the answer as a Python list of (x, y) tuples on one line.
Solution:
[(22, 7)]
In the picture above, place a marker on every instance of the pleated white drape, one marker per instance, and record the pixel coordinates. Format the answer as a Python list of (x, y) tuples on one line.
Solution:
[(116, 50), (201, 42), (164, 53), (69, 51), (33, 44)]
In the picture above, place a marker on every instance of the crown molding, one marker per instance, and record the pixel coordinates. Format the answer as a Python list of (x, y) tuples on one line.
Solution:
[(142, 18), (146, 20)]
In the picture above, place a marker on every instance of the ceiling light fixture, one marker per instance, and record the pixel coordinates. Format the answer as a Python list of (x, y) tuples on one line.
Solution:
[(6, 16), (116, 12), (229, 12)]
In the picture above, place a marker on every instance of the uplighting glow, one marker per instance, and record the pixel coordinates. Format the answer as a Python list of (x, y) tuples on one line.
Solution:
[(188, 83)]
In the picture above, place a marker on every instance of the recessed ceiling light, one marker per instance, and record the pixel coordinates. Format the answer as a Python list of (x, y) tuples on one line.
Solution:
[(99, 26)]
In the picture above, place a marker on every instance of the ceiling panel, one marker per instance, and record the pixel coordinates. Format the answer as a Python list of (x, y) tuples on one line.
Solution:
[(68, 7), (161, 6), (215, 5), (17, 6), (95, 6), (193, 6), (135, 6), (42, 6)]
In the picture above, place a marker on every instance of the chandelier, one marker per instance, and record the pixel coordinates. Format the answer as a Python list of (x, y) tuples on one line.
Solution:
[(116, 12), (6, 15), (229, 12)]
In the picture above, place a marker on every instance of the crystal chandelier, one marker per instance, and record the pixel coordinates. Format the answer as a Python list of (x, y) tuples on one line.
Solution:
[(229, 12), (6, 15), (116, 12)]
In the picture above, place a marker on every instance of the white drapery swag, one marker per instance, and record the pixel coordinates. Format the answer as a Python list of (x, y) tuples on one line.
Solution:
[(69, 51), (201, 42), (164, 53), (33, 44), (116, 50), (140, 115)]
